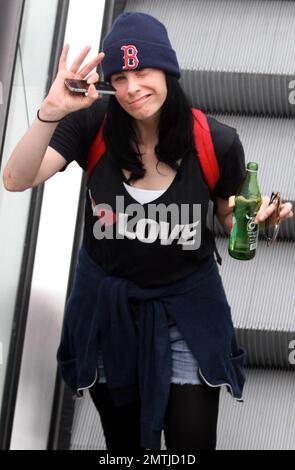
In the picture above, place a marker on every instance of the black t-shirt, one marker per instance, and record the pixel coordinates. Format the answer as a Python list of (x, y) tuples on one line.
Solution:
[(156, 243)]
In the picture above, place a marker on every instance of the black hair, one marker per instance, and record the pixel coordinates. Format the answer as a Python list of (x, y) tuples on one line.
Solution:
[(175, 132)]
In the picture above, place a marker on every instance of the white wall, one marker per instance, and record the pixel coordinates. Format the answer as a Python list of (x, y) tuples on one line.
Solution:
[(27, 93), (51, 268)]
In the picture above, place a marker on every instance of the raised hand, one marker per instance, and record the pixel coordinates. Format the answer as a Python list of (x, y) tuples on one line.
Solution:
[(60, 101)]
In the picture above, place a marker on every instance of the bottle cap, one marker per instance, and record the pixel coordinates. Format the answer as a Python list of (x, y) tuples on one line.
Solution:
[(252, 166)]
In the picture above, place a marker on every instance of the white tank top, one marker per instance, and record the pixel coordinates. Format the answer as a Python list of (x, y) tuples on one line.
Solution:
[(143, 195)]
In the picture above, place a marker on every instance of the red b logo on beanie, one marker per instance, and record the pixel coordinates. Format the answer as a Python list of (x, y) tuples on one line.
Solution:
[(130, 57)]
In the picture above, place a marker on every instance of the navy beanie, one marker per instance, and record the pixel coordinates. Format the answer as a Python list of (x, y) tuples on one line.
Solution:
[(137, 41)]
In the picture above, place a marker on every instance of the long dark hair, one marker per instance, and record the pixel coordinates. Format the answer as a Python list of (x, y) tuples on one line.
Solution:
[(175, 132)]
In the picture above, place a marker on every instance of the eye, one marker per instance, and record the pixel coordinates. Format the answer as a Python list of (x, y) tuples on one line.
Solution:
[(118, 78)]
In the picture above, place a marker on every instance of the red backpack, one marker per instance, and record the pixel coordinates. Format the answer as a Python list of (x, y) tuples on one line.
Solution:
[(204, 147)]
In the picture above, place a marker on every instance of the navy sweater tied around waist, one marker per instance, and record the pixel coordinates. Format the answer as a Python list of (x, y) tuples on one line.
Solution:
[(138, 363)]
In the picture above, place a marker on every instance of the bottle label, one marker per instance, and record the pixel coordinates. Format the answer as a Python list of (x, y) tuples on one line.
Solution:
[(252, 230)]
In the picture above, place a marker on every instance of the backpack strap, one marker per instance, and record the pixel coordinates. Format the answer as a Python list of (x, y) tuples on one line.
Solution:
[(205, 148), (97, 149), (208, 161)]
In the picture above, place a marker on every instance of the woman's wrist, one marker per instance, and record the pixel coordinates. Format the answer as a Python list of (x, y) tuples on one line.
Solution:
[(48, 113), (226, 221), (46, 120)]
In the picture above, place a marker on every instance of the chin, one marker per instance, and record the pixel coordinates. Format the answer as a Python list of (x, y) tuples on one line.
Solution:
[(146, 115)]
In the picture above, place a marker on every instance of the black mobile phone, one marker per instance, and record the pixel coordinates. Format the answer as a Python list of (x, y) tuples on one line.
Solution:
[(81, 86)]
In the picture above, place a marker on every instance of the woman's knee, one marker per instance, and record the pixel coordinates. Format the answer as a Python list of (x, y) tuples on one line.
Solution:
[(191, 417)]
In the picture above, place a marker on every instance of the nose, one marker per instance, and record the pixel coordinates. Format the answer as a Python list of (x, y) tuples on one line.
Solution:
[(132, 84)]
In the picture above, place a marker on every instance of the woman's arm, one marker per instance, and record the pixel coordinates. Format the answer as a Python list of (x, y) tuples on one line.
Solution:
[(224, 210), (28, 158), (25, 167)]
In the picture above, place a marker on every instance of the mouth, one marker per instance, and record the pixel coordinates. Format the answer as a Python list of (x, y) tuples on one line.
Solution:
[(140, 100)]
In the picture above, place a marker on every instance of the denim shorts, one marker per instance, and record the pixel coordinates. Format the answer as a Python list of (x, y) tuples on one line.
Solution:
[(184, 365)]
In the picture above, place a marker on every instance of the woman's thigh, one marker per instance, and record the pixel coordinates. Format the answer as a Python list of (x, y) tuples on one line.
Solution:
[(191, 417), (121, 425)]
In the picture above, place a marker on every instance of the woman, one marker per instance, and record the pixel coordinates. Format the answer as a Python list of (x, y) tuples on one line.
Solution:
[(147, 328)]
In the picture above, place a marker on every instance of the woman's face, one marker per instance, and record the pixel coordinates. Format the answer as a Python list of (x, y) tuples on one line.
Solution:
[(141, 93)]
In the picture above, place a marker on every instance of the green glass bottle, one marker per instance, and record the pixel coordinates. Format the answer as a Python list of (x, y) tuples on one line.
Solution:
[(244, 233)]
